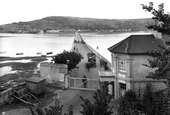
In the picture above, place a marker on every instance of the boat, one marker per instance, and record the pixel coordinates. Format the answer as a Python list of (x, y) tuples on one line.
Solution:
[(49, 53), (19, 53), (38, 53), (43, 55), (3, 52)]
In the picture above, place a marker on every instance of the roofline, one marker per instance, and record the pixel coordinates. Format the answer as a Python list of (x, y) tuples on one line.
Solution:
[(131, 53), (117, 44)]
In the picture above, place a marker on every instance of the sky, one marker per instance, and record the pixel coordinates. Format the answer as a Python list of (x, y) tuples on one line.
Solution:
[(27, 10)]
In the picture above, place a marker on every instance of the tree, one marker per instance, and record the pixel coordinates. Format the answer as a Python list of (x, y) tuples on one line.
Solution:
[(154, 103), (52, 110), (128, 104), (162, 19), (161, 60), (101, 104), (148, 100), (161, 63), (151, 103), (102, 100), (88, 107), (69, 58)]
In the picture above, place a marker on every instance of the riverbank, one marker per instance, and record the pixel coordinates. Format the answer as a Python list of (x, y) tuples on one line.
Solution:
[(24, 71), (19, 70), (5, 58)]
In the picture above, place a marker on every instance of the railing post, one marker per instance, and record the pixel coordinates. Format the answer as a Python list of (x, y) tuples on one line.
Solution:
[(74, 82)]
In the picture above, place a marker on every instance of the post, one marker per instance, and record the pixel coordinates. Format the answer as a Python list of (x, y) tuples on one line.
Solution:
[(66, 81)]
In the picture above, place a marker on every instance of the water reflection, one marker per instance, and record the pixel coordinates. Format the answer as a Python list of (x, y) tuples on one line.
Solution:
[(6, 70), (21, 61)]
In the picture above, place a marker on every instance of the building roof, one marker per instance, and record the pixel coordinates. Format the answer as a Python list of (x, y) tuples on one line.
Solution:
[(137, 44), (35, 79)]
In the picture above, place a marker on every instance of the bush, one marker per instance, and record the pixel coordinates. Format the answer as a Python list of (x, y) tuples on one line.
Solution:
[(69, 58), (101, 104), (128, 104)]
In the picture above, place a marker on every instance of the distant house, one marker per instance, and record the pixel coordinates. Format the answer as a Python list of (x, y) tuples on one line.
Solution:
[(128, 57)]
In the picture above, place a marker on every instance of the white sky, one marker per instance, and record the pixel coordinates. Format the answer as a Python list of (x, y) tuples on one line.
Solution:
[(27, 10)]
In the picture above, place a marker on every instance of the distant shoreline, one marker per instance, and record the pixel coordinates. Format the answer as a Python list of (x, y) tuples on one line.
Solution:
[(4, 58), (61, 33)]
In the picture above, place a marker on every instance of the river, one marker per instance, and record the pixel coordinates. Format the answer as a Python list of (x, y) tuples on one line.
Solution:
[(31, 44)]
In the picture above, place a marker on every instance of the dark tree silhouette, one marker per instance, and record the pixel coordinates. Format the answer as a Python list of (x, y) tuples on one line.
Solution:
[(161, 18), (154, 103), (69, 58), (101, 103), (128, 104)]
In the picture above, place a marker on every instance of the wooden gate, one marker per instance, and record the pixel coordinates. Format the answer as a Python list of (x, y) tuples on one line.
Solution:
[(80, 83)]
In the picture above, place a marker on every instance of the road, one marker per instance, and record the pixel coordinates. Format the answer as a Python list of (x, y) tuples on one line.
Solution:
[(72, 96)]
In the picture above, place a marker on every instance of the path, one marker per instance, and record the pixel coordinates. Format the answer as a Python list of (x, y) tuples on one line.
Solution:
[(71, 96)]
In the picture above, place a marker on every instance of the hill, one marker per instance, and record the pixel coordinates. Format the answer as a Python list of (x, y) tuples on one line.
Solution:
[(76, 23)]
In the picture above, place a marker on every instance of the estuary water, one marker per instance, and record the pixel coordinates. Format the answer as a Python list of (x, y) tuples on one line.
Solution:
[(18, 45)]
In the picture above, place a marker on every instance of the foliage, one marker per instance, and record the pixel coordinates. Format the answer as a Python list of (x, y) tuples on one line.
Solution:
[(101, 104), (102, 100), (88, 66), (69, 58), (161, 105), (52, 110), (154, 103), (70, 110), (128, 104), (162, 19), (88, 107), (161, 63), (148, 100), (151, 103), (157, 104)]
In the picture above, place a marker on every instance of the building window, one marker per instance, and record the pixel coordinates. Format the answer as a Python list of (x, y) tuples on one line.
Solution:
[(122, 64), (122, 86)]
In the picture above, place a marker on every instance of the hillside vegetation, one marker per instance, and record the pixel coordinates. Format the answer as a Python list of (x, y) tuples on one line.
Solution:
[(75, 23)]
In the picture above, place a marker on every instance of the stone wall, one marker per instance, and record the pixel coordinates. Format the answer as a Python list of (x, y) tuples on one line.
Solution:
[(53, 72), (139, 73), (139, 86), (138, 70)]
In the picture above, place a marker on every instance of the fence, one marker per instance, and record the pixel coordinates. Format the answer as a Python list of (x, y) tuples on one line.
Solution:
[(88, 84)]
